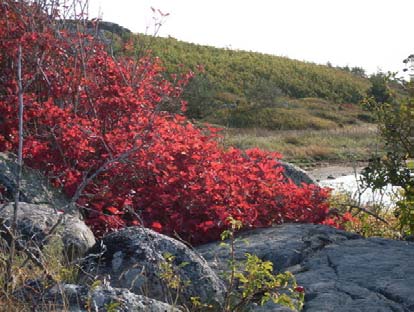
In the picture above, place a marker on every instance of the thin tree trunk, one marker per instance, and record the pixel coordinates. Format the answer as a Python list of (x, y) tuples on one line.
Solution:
[(9, 281)]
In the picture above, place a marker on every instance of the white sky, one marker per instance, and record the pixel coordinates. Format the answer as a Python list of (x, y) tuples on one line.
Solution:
[(373, 34)]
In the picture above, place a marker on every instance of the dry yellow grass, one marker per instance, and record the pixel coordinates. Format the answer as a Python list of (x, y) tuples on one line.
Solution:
[(349, 143)]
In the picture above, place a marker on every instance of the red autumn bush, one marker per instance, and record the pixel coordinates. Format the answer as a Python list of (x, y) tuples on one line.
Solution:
[(94, 126)]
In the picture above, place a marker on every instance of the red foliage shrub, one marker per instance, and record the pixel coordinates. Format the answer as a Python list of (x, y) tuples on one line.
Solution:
[(94, 125)]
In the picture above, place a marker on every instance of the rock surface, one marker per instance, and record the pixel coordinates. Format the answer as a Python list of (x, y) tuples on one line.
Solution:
[(36, 221), (77, 298), (296, 174), (132, 259), (340, 271), (34, 189)]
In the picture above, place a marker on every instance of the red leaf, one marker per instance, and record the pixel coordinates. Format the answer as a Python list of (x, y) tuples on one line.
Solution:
[(156, 226)]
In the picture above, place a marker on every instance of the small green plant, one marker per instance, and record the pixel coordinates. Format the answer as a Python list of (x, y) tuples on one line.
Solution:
[(95, 285), (197, 305), (169, 274), (253, 280), (112, 307)]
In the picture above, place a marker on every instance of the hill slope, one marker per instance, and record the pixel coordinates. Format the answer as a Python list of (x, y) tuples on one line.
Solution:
[(250, 73), (249, 89)]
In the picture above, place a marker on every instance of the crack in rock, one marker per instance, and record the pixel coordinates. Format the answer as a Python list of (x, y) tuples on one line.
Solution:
[(333, 266)]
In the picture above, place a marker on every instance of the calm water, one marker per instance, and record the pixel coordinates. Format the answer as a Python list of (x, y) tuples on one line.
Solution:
[(351, 185)]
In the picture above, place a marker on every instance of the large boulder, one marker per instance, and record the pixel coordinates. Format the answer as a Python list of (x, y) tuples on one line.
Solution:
[(39, 224), (132, 258), (340, 271)]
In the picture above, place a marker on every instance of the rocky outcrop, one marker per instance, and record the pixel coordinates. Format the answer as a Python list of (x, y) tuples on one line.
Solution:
[(340, 271), (44, 212), (39, 224), (296, 174), (132, 258), (70, 297), (34, 187)]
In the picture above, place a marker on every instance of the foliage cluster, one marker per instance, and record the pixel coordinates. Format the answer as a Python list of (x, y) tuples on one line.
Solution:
[(356, 70), (395, 115), (97, 127)]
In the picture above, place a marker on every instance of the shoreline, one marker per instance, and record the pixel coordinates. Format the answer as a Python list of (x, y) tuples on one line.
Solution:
[(335, 170)]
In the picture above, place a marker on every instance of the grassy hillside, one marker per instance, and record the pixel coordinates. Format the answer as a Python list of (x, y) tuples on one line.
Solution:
[(248, 89), (292, 114), (258, 76)]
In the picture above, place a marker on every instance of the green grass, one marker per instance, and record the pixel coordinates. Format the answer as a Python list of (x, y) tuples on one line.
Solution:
[(291, 114), (306, 147), (256, 76)]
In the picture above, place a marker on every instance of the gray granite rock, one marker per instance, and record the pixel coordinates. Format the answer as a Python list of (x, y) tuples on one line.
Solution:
[(35, 187), (340, 271), (132, 257), (285, 245), (362, 275), (36, 221), (81, 298), (296, 174)]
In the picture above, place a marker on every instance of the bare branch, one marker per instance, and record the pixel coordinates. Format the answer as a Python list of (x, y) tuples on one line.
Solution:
[(13, 230), (366, 211), (20, 246)]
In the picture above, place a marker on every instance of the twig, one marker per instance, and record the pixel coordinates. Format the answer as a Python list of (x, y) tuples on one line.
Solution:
[(101, 169), (25, 249), (366, 211)]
